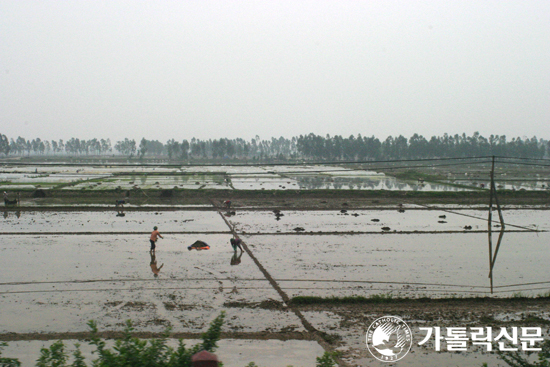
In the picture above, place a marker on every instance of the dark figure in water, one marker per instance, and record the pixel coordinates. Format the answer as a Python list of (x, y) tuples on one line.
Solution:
[(8, 201), (236, 259), (120, 202)]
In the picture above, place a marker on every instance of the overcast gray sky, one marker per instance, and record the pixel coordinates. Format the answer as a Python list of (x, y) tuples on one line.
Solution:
[(211, 69)]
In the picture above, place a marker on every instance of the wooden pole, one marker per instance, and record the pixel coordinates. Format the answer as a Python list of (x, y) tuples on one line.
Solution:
[(490, 256), (490, 219), (496, 199)]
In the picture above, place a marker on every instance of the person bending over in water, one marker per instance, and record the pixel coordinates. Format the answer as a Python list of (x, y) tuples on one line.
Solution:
[(236, 242)]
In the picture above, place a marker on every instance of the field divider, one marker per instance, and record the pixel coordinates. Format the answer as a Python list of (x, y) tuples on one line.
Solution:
[(333, 233), (328, 233), (492, 221), (255, 280), (109, 233), (317, 335), (84, 335)]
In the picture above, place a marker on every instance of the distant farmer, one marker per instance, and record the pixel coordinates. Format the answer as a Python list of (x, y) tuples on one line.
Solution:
[(8, 201), (120, 202), (154, 237), (236, 242), (227, 204)]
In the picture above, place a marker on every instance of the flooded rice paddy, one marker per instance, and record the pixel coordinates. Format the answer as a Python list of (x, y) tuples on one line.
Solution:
[(306, 177), (63, 268)]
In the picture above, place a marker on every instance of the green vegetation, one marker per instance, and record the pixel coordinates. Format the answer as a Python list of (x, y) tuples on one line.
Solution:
[(517, 359), (311, 146), (326, 360), (128, 351), (7, 362), (388, 298), (376, 298), (132, 351)]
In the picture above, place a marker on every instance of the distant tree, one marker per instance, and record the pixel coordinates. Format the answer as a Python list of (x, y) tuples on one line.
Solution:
[(61, 145), (105, 145), (155, 147), (142, 148), (54, 146), (184, 149), (4, 144), (126, 147), (173, 148), (14, 148)]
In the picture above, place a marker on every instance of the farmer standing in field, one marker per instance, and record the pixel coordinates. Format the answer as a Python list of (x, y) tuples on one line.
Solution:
[(154, 237)]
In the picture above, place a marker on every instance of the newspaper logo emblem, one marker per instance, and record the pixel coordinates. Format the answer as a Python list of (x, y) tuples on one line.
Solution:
[(389, 339)]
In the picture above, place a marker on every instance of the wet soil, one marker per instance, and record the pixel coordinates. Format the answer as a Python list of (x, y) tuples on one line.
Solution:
[(105, 274), (289, 199)]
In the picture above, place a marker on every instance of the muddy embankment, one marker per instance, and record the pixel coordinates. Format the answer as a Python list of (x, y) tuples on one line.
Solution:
[(289, 199)]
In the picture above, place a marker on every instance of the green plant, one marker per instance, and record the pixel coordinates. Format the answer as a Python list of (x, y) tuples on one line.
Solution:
[(128, 351), (55, 356), (131, 351), (326, 360), (516, 359), (7, 362)]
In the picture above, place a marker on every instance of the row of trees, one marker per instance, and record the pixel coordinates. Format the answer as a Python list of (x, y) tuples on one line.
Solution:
[(21, 146), (315, 147), (417, 146)]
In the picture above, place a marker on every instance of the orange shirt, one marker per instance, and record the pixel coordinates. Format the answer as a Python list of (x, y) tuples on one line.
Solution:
[(155, 235)]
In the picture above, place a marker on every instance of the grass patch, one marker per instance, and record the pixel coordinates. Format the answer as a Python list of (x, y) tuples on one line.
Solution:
[(388, 298), (375, 298), (415, 176), (535, 320)]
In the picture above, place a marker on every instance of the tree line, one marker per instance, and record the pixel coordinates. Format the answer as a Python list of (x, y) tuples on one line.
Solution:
[(303, 147)]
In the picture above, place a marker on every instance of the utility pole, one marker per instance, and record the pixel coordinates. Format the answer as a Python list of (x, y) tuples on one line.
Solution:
[(493, 192)]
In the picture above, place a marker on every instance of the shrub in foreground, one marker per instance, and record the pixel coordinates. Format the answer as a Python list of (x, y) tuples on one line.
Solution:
[(131, 351)]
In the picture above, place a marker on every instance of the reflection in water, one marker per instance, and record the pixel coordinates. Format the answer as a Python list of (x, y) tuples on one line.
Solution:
[(367, 183), (508, 185), (153, 264), (7, 214), (493, 258), (236, 259)]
